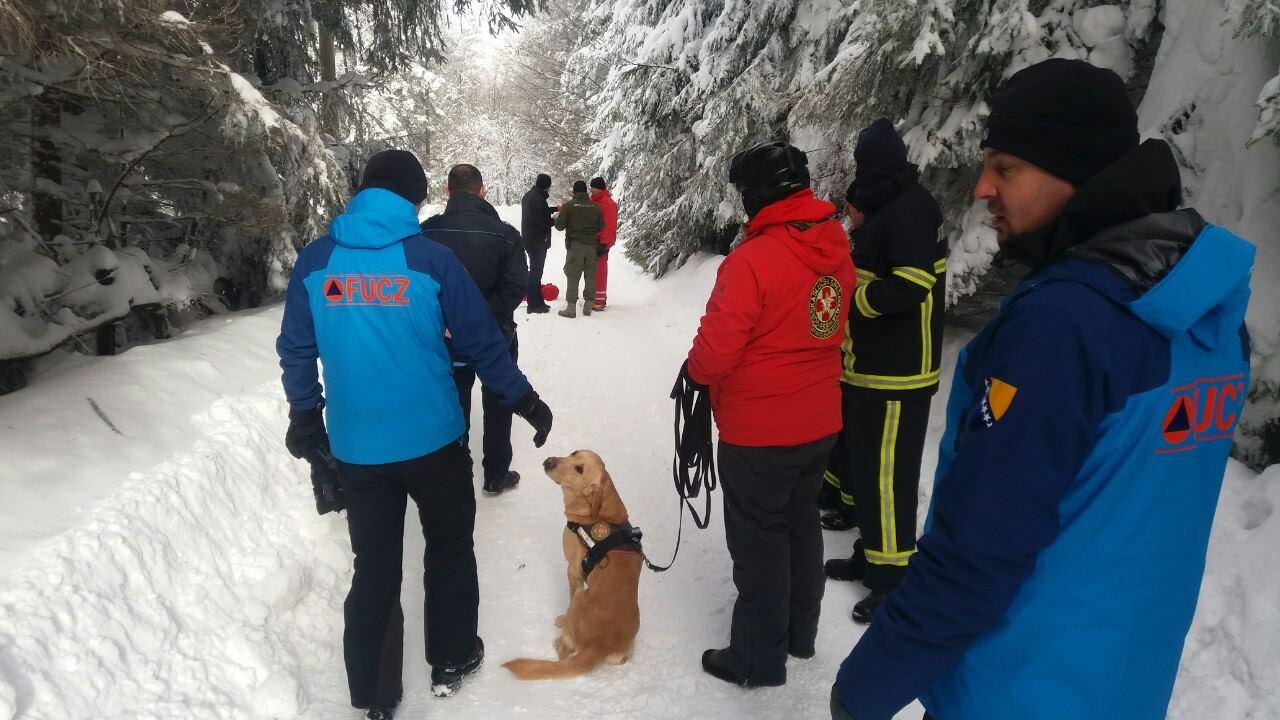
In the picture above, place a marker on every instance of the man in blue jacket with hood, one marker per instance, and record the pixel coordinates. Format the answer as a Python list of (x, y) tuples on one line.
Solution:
[(1087, 433), (375, 300)]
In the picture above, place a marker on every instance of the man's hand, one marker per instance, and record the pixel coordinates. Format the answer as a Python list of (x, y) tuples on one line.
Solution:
[(306, 433), (536, 413)]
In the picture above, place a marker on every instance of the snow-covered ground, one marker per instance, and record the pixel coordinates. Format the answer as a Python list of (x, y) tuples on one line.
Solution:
[(178, 570)]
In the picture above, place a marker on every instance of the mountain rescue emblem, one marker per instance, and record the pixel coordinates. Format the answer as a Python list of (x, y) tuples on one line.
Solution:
[(824, 307)]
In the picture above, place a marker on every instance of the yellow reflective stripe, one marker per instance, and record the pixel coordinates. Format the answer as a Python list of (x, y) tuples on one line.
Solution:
[(864, 307), (916, 275), (846, 498), (940, 266), (878, 558), (865, 276), (926, 334), (893, 382), (846, 352), (832, 479), (888, 444)]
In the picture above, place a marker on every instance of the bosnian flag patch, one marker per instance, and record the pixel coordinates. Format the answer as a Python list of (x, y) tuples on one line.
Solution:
[(996, 400)]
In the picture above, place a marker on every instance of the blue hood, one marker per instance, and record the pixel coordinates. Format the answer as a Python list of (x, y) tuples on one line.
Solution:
[(1205, 293), (375, 218)]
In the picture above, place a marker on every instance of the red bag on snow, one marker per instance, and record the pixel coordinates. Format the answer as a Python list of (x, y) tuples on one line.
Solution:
[(550, 292)]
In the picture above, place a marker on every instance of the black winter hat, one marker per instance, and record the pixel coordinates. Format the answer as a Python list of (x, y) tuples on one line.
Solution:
[(398, 171), (543, 181), (579, 186), (597, 182), (881, 157), (1066, 116)]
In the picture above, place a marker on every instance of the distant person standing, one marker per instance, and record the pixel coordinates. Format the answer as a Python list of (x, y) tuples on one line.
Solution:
[(372, 301), (603, 200), (891, 359), (582, 223), (491, 252), (535, 230)]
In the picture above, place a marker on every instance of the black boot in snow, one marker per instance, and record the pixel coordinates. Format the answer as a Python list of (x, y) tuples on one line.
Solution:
[(507, 482), (839, 520), (855, 568), (866, 607), (716, 664), (446, 680), (381, 713)]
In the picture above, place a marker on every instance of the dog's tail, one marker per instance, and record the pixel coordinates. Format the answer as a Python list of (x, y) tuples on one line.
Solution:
[(572, 666)]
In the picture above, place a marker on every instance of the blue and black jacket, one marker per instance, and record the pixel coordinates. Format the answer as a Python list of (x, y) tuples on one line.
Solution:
[(1088, 430), (373, 300)]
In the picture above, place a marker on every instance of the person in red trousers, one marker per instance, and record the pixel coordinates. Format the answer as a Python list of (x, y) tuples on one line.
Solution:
[(601, 197)]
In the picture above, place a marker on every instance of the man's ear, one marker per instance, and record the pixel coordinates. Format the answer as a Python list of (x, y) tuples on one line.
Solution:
[(448, 192), (483, 191)]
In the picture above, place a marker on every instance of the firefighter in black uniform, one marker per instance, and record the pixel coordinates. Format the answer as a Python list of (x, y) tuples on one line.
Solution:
[(891, 355)]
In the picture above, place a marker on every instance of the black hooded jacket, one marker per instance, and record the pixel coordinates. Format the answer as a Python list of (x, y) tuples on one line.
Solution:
[(488, 248), (535, 219), (894, 340)]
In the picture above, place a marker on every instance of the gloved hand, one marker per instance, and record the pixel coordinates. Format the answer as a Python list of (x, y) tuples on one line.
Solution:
[(536, 413), (687, 379), (325, 484), (306, 432), (601, 250)]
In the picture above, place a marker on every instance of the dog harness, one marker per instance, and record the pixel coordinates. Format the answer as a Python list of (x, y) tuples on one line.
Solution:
[(602, 538)]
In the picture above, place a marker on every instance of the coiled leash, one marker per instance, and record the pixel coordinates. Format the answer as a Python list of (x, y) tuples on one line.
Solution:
[(693, 467)]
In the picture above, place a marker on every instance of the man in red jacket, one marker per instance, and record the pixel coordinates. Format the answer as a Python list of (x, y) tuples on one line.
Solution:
[(768, 348), (601, 197)]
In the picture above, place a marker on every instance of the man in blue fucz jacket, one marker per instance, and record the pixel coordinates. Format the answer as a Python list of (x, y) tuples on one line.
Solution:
[(1087, 433), (374, 300)]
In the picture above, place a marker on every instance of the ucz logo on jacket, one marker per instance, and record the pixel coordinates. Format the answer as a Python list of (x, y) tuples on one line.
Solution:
[(353, 290)]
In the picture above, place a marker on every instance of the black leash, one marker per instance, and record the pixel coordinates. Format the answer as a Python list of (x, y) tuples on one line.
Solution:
[(693, 467)]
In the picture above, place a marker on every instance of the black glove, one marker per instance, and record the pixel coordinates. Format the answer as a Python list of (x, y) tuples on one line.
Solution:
[(601, 250), (536, 413), (306, 432), (687, 379), (325, 484)]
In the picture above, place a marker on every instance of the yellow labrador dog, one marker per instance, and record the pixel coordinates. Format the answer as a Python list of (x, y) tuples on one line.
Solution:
[(603, 552)]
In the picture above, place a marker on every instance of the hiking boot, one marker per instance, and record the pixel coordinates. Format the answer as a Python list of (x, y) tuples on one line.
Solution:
[(586, 308), (447, 679), (866, 607), (838, 520), (848, 570), (716, 663), (568, 311), (597, 306), (381, 713), (503, 484), (537, 309)]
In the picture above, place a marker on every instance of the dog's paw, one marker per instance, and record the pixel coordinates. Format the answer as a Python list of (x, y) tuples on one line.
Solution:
[(560, 621)]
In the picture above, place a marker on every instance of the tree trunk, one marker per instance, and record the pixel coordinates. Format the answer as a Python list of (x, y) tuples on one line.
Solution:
[(328, 73), (46, 163)]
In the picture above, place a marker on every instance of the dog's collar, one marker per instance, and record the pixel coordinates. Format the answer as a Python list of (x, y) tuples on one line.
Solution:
[(602, 538)]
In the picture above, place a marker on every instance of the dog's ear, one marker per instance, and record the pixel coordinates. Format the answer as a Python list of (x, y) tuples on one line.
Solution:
[(609, 505)]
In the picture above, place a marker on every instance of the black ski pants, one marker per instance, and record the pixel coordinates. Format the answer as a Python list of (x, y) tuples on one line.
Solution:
[(771, 527), (496, 459), (884, 442), (373, 642), (537, 261)]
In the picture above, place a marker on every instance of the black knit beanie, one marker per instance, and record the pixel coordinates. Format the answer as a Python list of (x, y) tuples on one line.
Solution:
[(398, 171), (597, 182), (543, 181), (1066, 116), (579, 186)]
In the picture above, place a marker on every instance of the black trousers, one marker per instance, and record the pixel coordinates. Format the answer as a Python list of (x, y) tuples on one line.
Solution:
[(537, 260), (496, 460), (373, 642), (771, 527), (884, 442)]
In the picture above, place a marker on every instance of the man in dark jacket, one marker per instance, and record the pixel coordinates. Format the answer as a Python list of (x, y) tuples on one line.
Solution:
[(535, 230), (768, 348), (1088, 429), (491, 252), (891, 358), (582, 223), (373, 300)]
